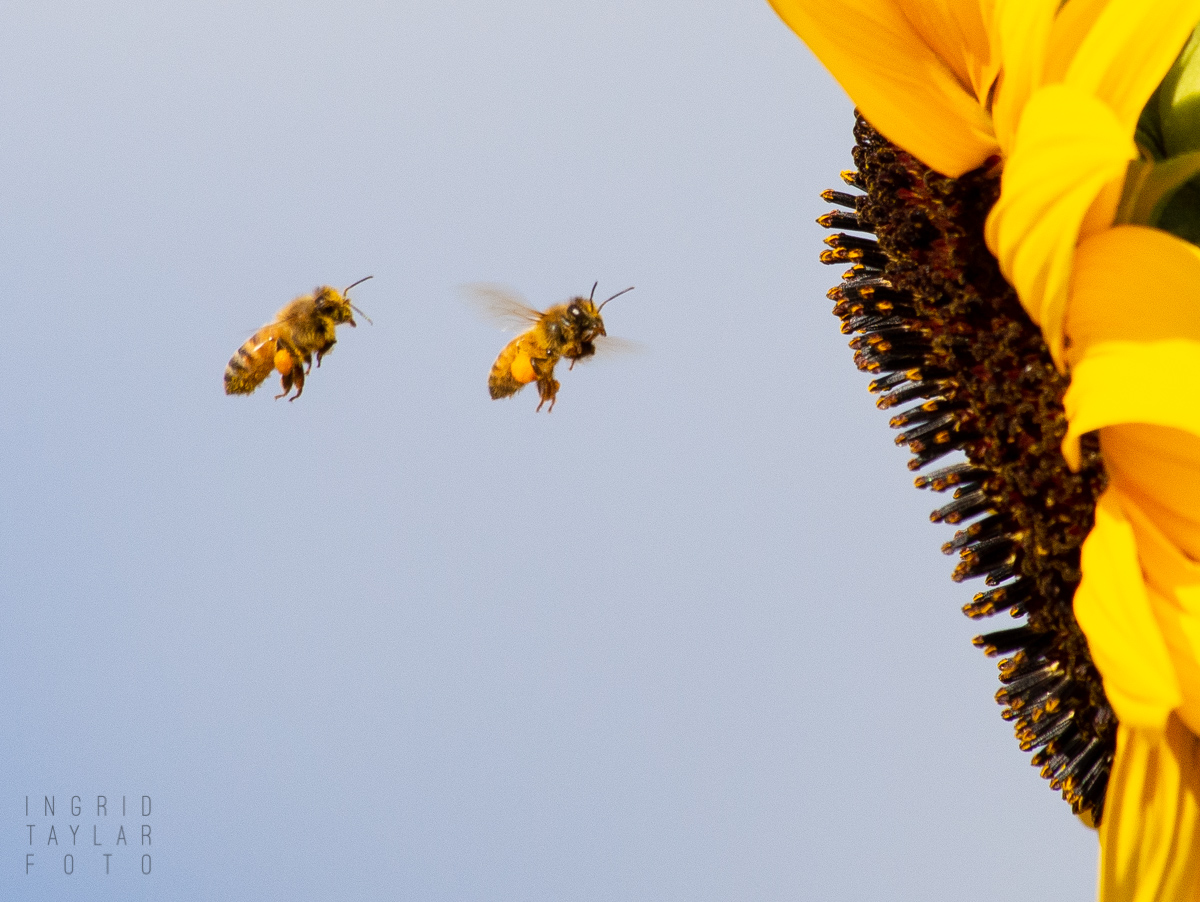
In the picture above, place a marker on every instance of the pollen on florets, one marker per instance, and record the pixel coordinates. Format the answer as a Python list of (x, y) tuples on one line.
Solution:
[(943, 333)]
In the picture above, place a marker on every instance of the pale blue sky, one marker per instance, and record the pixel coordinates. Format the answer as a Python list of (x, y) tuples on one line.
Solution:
[(687, 638)]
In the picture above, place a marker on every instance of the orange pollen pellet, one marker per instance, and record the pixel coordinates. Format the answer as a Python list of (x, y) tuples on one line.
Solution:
[(522, 367), (283, 362)]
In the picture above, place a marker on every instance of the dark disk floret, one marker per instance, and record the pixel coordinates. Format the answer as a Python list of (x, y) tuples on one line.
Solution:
[(967, 373)]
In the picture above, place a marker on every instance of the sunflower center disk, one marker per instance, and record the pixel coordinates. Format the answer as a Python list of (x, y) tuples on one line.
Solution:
[(937, 325)]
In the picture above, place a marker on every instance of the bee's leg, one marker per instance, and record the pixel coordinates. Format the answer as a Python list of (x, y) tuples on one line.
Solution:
[(285, 381), (321, 352), (548, 390), (299, 374), (291, 371), (547, 385), (585, 349), (308, 363)]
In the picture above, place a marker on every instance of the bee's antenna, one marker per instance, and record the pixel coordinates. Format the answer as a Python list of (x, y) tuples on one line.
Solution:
[(617, 295), (593, 294), (346, 291)]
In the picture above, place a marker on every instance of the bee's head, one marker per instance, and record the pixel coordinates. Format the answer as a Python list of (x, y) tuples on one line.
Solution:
[(331, 304), (586, 313), (586, 317), (337, 304)]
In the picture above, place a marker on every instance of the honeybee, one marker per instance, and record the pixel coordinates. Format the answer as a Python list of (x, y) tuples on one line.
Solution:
[(565, 330), (304, 327)]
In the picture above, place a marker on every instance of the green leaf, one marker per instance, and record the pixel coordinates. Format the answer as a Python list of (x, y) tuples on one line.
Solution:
[(1151, 186), (1179, 100), (1181, 215), (1149, 134)]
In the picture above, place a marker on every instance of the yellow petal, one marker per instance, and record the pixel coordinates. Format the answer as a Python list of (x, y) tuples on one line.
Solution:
[(1127, 51), (1071, 26), (1069, 147), (958, 33), (1159, 470), (1124, 636), (1135, 334), (1133, 283), (1132, 382), (915, 98), (1172, 584), (1022, 29), (1149, 842), (1115, 50)]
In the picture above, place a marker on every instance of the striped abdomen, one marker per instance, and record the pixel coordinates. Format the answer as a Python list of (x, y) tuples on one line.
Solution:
[(513, 369), (252, 363)]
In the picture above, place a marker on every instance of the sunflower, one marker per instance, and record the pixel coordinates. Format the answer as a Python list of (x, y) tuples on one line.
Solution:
[(1026, 293)]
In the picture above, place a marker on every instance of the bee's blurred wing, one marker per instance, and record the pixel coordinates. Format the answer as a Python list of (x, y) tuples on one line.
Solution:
[(616, 347), (500, 305)]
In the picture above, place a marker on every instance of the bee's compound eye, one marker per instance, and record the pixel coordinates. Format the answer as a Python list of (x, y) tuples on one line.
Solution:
[(574, 310)]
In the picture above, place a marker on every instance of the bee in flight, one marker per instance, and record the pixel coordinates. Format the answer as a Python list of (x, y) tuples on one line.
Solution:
[(565, 330), (304, 327)]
